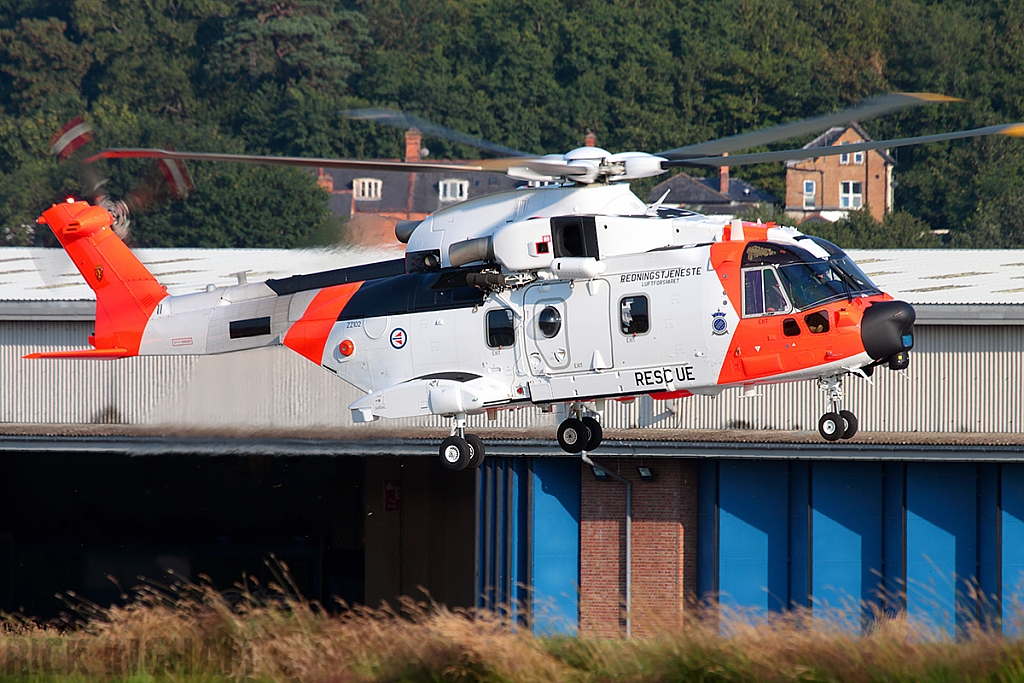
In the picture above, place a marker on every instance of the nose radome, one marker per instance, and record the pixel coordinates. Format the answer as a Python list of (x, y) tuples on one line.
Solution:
[(888, 328)]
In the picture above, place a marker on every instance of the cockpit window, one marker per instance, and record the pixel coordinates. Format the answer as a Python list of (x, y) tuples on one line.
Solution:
[(762, 293), (817, 282), (808, 280)]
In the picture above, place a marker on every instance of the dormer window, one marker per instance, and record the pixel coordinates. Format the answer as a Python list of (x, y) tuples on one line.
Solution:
[(366, 189), (453, 190)]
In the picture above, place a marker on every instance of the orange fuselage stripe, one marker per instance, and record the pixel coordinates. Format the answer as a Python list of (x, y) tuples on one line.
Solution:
[(308, 336)]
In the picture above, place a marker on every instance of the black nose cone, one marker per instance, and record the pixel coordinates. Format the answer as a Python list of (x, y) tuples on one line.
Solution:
[(888, 328)]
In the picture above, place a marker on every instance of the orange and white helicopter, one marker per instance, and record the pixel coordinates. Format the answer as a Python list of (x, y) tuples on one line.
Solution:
[(568, 290)]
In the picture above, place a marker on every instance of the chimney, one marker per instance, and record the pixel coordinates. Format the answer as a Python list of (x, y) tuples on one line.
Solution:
[(325, 180), (590, 140), (723, 178), (413, 142)]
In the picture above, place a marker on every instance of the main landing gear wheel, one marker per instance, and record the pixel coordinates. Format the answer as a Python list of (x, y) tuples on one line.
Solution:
[(456, 453), (573, 435), (831, 426), (851, 423), (476, 445), (835, 424), (596, 433)]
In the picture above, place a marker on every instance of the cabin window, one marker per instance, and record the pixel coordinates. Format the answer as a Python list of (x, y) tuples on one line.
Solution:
[(851, 194), (549, 322), (634, 317), (762, 293), (810, 192), (251, 327), (453, 190), (817, 323), (500, 329), (366, 189), (790, 327)]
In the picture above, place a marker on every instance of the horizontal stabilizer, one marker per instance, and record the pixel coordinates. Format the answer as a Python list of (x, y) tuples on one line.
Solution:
[(97, 354)]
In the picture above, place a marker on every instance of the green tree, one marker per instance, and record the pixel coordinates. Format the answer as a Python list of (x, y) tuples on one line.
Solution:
[(40, 64), (236, 205), (860, 230), (315, 42)]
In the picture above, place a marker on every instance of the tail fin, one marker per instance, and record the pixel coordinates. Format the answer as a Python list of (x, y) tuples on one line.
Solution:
[(126, 293)]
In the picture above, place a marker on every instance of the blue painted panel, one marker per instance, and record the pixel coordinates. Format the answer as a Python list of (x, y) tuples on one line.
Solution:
[(556, 544), (892, 546), (707, 528), (941, 542), (1013, 546), (753, 535), (846, 539), (988, 543), (799, 533)]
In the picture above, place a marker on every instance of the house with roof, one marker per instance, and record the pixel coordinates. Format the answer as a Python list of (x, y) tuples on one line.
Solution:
[(828, 187), (374, 201), (714, 196)]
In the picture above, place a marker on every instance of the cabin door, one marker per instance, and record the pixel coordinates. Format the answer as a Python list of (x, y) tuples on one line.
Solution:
[(568, 327)]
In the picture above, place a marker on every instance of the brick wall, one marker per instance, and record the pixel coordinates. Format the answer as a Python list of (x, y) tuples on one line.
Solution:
[(664, 547)]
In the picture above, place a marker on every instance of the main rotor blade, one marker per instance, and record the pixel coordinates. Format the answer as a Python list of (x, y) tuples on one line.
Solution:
[(863, 110), (496, 165), (1011, 129), (402, 120)]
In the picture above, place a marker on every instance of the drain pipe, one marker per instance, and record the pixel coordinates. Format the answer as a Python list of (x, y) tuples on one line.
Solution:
[(629, 538)]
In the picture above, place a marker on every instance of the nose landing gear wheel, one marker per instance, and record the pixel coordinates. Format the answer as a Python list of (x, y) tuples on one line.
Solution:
[(455, 453), (596, 433), (851, 423), (831, 426), (476, 445), (573, 435)]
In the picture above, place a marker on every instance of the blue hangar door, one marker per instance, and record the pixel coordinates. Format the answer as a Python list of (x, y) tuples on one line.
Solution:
[(942, 540), (528, 535)]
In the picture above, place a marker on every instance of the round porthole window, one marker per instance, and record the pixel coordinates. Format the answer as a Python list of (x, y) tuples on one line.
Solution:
[(549, 321)]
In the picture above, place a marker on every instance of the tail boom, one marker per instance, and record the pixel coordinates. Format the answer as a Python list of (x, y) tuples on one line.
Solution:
[(126, 292)]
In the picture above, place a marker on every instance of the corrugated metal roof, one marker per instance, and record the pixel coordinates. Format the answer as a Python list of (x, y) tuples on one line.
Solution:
[(919, 276), (946, 276), (37, 274)]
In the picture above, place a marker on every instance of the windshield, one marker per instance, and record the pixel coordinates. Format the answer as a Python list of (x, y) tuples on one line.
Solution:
[(817, 282)]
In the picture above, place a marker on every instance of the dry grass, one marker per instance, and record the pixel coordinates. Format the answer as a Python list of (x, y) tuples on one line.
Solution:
[(193, 633)]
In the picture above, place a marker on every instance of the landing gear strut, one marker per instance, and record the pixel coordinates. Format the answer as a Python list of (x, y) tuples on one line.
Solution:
[(580, 431), (835, 424), (461, 450)]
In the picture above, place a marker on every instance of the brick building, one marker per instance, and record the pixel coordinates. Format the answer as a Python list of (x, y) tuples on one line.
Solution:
[(829, 187), (374, 201)]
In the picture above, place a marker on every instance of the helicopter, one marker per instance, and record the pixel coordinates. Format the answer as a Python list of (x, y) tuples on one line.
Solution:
[(568, 290)]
